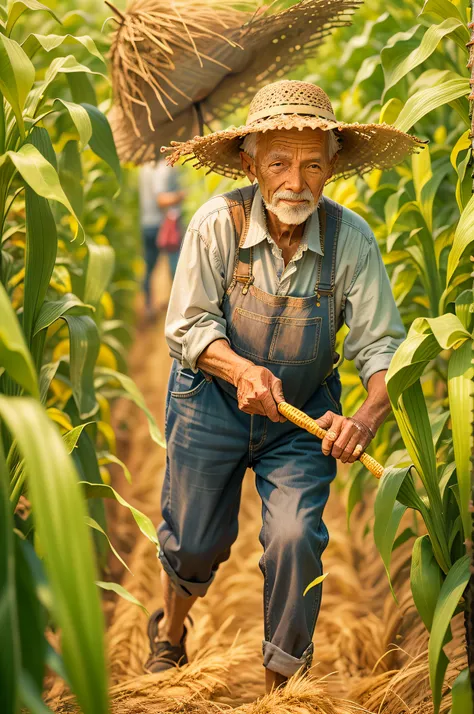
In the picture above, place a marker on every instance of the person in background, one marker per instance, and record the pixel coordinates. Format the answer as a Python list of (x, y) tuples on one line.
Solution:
[(159, 193)]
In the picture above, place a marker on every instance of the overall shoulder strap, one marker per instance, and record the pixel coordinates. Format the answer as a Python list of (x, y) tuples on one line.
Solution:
[(330, 214), (240, 202)]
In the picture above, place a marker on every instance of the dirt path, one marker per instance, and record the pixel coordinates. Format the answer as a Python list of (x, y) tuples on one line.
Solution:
[(373, 650)]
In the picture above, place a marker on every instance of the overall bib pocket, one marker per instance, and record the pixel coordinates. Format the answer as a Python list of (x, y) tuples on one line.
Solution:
[(278, 339)]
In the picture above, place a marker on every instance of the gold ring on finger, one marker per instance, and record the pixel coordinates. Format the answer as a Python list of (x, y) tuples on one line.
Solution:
[(331, 435)]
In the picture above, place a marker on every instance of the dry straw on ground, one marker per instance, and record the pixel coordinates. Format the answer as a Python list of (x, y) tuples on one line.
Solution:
[(370, 654)]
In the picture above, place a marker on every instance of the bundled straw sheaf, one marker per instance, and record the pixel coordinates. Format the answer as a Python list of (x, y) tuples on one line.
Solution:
[(179, 64)]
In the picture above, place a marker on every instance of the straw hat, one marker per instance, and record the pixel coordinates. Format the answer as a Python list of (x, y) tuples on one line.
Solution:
[(291, 104), (178, 65)]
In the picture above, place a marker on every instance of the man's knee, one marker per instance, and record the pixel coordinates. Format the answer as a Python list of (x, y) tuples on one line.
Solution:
[(195, 560), (297, 535)]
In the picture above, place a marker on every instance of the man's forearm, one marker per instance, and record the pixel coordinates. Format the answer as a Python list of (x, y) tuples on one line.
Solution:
[(376, 407), (220, 360)]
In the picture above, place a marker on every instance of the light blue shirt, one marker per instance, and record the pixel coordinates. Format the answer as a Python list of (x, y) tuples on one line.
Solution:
[(363, 296), (153, 180)]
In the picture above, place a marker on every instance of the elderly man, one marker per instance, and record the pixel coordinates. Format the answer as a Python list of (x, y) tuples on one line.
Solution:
[(266, 277)]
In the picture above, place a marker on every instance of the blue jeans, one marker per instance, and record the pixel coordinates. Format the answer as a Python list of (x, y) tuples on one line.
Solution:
[(151, 254), (211, 443)]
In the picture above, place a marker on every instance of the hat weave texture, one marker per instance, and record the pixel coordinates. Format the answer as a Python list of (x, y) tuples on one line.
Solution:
[(363, 146)]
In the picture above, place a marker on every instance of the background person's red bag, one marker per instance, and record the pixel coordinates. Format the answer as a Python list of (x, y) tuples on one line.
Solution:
[(169, 235)]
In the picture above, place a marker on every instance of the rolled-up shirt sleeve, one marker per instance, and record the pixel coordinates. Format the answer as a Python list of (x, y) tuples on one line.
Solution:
[(194, 317), (375, 326)]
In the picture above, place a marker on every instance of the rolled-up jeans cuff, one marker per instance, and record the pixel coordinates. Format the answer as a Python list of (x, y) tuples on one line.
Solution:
[(184, 588), (283, 663)]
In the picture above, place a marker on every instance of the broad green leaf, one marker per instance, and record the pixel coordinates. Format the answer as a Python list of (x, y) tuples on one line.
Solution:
[(107, 458), (93, 524), (400, 58), (426, 579), (51, 42), (31, 695), (464, 309), (132, 392), (424, 101), (40, 255), (15, 358), (101, 490), (451, 592), (59, 508), (463, 237), (99, 271), (71, 437), (388, 514), (38, 173), (461, 401), (17, 75), (85, 344), (102, 141), (17, 7), (71, 175), (441, 8), (390, 111), (120, 590), (80, 119), (47, 374), (82, 89), (53, 310), (31, 619), (316, 581), (10, 650), (462, 694)]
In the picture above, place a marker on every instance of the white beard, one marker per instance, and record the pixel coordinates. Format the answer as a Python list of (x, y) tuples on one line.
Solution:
[(292, 215)]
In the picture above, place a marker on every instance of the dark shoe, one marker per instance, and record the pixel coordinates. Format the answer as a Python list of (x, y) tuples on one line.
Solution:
[(164, 655)]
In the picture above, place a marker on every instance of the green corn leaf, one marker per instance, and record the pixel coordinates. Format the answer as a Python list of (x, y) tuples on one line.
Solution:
[(10, 650), (71, 175), (17, 75), (41, 249), (31, 619), (53, 310), (30, 695), (59, 508), (426, 100), (120, 590), (441, 9), (388, 514), (80, 119), (316, 581), (400, 58), (38, 173), (131, 392), (426, 579), (451, 592), (71, 437), (102, 141), (15, 358), (101, 490), (51, 42), (463, 237), (85, 344), (93, 524), (82, 89), (106, 458), (461, 399), (47, 374), (462, 694), (464, 311), (99, 271), (18, 7)]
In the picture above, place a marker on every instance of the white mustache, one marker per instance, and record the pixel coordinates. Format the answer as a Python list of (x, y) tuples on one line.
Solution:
[(305, 195)]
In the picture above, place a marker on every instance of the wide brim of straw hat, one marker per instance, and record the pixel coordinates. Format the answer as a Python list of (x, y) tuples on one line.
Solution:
[(363, 146)]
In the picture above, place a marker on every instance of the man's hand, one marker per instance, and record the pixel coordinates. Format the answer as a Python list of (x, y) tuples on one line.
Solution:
[(259, 392), (346, 438)]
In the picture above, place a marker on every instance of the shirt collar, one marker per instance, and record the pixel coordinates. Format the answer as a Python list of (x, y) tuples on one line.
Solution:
[(258, 227)]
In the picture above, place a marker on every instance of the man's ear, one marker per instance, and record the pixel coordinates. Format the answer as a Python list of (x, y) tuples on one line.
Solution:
[(248, 166)]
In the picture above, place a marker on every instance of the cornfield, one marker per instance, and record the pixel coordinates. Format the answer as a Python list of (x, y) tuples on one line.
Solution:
[(80, 447)]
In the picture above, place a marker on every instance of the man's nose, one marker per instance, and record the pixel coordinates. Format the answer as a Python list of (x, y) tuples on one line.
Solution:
[(295, 181)]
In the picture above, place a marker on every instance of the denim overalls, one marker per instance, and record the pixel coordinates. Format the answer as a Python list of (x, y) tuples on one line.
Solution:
[(211, 443)]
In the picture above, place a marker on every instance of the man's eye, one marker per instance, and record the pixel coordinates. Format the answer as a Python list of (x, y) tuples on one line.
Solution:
[(314, 167)]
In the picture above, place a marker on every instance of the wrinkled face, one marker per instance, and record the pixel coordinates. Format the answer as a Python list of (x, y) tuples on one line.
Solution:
[(291, 167)]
